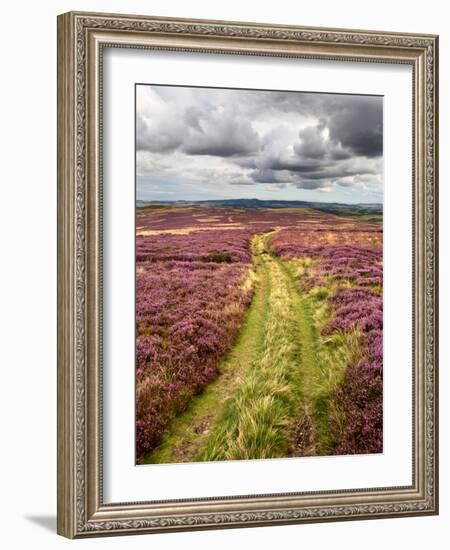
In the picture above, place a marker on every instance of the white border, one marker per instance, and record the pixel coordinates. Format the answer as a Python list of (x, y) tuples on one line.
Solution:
[(125, 482)]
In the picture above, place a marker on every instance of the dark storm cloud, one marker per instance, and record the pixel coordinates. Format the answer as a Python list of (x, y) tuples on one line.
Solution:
[(359, 127), (159, 139), (222, 138), (219, 131), (355, 121), (296, 164), (345, 183), (288, 102), (314, 145), (266, 175), (314, 159), (309, 179), (303, 140), (307, 184)]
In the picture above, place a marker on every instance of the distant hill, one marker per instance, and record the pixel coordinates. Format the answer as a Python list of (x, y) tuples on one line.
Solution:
[(335, 207)]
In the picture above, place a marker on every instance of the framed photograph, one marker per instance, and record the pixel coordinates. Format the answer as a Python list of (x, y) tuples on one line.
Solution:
[(247, 274)]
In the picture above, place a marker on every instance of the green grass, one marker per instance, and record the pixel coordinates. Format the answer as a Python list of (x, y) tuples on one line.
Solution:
[(255, 419), (328, 358), (314, 387)]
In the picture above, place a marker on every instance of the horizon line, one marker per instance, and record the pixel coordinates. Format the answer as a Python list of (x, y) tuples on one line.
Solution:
[(256, 199)]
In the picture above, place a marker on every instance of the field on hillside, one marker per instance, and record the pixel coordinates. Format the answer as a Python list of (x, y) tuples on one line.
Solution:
[(259, 333)]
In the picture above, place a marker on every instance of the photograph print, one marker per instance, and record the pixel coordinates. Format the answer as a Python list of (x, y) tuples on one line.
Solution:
[(259, 274)]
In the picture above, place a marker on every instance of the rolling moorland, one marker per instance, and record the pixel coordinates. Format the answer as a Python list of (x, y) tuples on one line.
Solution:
[(259, 331)]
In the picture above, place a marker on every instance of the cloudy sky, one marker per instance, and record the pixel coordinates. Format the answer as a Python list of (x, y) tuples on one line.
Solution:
[(210, 143)]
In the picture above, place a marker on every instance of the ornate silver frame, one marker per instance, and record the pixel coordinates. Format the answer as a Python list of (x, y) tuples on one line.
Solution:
[(81, 37)]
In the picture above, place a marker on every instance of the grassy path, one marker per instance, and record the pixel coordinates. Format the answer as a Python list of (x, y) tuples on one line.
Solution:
[(310, 432), (253, 409), (188, 432)]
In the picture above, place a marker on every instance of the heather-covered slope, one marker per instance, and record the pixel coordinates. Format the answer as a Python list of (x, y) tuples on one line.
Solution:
[(259, 334)]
